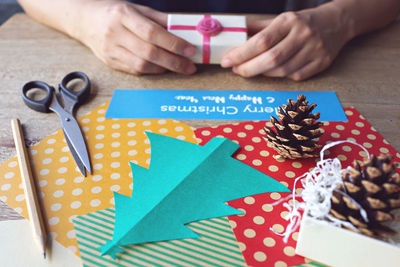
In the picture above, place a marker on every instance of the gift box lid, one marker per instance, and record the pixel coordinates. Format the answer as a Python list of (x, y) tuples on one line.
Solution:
[(336, 246)]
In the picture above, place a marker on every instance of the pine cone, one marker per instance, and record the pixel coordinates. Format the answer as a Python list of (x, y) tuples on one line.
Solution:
[(295, 135), (374, 185)]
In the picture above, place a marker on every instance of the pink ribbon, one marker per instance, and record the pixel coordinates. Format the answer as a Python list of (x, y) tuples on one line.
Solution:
[(207, 27)]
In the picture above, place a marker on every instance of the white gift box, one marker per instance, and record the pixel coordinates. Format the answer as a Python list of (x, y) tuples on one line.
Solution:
[(336, 246), (210, 47)]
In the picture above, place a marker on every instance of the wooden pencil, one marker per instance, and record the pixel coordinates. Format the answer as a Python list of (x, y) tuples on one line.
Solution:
[(32, 201)]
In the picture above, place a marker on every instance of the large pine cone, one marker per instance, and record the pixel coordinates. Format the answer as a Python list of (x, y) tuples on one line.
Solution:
[(295, 135), (374, 185)]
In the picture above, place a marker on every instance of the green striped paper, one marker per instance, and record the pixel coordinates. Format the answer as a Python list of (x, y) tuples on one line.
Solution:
[(217, 245), (311, 264)]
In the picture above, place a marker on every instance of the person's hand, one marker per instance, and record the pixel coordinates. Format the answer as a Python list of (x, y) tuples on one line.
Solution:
[(293, 45), (131, 38)]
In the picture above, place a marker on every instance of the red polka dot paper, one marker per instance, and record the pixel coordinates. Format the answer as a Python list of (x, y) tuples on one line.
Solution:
[(259, 245)]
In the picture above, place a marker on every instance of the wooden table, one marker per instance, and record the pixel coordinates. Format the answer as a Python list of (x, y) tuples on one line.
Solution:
[(365, 75)]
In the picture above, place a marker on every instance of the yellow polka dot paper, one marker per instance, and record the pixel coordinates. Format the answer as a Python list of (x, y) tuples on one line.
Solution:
[(64, 192)]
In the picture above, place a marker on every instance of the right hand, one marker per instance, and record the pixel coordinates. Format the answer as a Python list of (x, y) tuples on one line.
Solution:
[(132, 38)]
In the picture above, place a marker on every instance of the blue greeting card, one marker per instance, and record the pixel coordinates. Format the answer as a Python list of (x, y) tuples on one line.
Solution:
[(215, 104)]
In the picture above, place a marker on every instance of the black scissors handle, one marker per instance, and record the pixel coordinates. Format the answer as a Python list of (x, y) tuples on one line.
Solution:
[(78, 96), (38, 105), (74, 96)]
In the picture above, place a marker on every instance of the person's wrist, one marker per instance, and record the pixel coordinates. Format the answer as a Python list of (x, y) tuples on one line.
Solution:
[(332, 19), (77, 25), (347, 21), (339, 16)]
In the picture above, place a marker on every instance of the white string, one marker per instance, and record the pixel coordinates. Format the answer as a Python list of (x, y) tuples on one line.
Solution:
[(332, 144), (294, 218), (284, 199), (319, 185)]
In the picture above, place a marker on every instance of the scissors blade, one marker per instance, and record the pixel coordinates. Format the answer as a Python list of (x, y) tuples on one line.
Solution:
[(73, 133), (75, 156)]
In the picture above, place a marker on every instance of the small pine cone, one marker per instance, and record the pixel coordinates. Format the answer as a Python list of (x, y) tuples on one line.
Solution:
[(374, 185), (296, 134)]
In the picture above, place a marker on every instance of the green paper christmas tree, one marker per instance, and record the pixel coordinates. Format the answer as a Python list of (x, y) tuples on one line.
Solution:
[(185, 183)]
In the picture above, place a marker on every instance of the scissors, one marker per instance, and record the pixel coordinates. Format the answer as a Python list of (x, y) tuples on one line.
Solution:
[(64, 110)]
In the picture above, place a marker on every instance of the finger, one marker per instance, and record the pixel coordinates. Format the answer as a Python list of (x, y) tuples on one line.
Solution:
[(272, 58), (296, 62), (155, 15), (308, 70), (254, 26), (154, 54), (262, 41), (152, 32), (125, 61)]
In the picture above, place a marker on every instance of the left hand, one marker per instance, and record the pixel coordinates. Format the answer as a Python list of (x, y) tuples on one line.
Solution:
[(294, 45)]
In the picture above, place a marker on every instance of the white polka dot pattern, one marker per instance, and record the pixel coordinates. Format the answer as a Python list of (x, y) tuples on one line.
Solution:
[(260, 246), (112, 144)]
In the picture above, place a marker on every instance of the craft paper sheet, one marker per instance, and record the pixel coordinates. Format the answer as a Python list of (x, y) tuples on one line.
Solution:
[(216, 247), (19, 249), (64, 192), (215, 104), (261, 246)]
